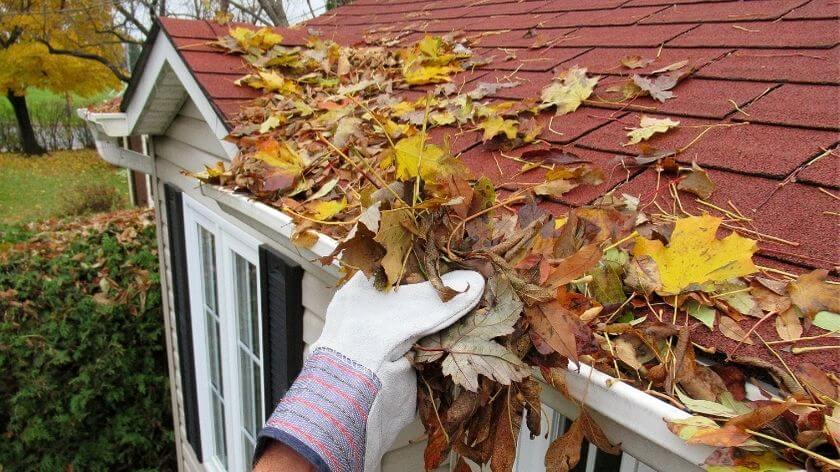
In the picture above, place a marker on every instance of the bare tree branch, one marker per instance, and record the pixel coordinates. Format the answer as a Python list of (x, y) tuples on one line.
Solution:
[(84, 55)]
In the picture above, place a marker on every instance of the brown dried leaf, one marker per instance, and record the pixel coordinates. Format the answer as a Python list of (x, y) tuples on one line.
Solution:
[(593, 433), (635, 62), (508, 422), (574, 266), (812, 294), (556, 326), (697, 182), (564, 452), (732, 330), (788, 325), (530, 390)]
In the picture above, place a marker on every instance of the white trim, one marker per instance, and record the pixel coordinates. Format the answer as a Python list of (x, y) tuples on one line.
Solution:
[(163, 54), (162, 60)]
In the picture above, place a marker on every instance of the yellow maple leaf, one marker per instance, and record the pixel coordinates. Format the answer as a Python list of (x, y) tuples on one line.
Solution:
[(270, 82), (497, 125), (415, 157), (568, 90), (416, 74), (326, 210), (279, 156), (695, 258), (263, 38), (648, 126)]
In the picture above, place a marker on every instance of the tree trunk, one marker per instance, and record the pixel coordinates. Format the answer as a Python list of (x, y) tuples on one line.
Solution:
[(27, 133)]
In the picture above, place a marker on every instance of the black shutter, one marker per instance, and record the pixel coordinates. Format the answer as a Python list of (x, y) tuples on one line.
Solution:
[(282, 311), (183, 324)]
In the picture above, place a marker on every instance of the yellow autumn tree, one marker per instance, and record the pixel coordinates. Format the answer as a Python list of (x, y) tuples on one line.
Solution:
[(62, 46)]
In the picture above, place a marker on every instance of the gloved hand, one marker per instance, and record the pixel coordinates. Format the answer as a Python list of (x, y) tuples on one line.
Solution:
[(357, 391)]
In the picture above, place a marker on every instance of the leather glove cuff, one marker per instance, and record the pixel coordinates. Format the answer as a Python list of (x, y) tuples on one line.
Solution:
[(324, 414)]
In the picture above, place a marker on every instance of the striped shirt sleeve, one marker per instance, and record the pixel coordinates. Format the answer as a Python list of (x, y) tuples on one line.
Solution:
[(324, 414)]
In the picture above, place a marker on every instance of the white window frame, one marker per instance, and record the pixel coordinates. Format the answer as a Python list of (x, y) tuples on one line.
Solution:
[(228, 239)]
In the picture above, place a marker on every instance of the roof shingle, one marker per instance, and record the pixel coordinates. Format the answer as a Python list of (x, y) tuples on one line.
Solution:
[(780, 76)]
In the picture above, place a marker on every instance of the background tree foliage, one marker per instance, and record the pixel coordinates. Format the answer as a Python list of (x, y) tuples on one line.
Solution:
[(61, 46), (84, 384)]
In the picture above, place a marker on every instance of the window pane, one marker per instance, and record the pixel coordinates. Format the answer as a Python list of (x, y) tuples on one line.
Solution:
[(248, 449), (208, 267), (252, 309), (243, 294), (259, 408), (247, 386), (214, 352), (219, 430)]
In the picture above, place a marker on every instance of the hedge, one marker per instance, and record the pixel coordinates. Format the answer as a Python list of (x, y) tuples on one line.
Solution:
[(82, 352)]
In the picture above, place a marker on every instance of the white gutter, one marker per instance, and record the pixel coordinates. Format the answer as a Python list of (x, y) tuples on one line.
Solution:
[(108, 129), (628, 416)]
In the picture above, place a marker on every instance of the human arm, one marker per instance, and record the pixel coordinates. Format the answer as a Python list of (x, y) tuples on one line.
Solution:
[(280, 457)]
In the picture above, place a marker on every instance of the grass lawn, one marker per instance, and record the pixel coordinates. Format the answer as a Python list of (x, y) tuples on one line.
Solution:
[(34, 188)]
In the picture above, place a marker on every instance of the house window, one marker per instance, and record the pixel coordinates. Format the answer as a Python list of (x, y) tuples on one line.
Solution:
[(223, 266)]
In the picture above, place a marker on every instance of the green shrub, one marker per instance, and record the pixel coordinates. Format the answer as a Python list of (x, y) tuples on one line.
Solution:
[(84, 383), (91, 198)]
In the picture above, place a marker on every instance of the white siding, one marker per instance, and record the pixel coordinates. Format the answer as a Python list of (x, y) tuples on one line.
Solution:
[(187, 146)]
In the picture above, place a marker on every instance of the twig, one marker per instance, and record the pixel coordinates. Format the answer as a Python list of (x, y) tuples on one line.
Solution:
[(807, 452), (717, 125), (829, 193), (804, 349), (804, 338)]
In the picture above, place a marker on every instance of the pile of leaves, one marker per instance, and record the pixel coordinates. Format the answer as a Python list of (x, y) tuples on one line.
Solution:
[(82, 351), (341, 141)]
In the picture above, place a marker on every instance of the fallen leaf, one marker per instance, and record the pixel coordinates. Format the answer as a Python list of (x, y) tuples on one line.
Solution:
[(496, 125), (484, 89), (705, 407), (325, 210), (695, 257), (568, 90), (556, 326), (436, 449), (506, 434), (635, 62), (788, 325), (564, 452), (671, 67), (704, 313), (593, 433), (574, 266), (687, 428), (732, 330), (812, 294), (827, 320), (659, 88), (415, 156), (360, 251), (697, 182), (396, 240), (471, 357), (738, 460), (648, 126)]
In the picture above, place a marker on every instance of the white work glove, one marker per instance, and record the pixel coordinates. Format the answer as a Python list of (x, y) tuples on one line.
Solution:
[(357, 391)]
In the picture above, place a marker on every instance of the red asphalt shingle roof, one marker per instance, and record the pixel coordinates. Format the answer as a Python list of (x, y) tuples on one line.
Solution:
[(773, 63)]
